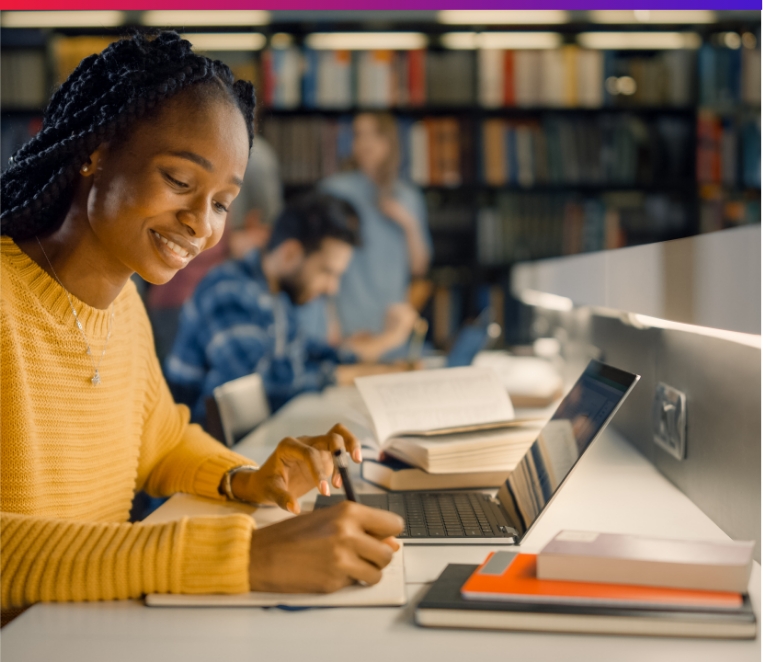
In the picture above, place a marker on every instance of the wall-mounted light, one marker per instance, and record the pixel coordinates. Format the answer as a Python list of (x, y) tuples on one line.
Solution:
[(545, 300), (205, 17), (366, 41), (654, 16), (226, 41), (647, 322), (639, 40), (61, 19), (502, 16), (504, 40)]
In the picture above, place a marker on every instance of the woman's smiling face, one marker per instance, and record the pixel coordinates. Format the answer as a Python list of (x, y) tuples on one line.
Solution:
[(160, 196)]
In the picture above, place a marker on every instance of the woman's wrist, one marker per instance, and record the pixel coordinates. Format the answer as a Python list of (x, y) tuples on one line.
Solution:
[(239, 484)]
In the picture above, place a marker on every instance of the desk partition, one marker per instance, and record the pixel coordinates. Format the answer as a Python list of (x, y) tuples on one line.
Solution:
[(718, 372)]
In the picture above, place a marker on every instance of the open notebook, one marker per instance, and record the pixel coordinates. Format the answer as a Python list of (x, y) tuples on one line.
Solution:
[(389, 592)]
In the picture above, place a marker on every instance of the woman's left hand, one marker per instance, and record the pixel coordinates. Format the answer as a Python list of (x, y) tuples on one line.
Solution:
[(296, 466)]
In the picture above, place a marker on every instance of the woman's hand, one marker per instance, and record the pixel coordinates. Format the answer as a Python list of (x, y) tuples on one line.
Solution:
[(295, 467), (418, 251), (397, 212), (323, 551)]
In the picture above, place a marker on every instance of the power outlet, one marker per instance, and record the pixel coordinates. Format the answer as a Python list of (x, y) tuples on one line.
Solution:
[(669, 420)]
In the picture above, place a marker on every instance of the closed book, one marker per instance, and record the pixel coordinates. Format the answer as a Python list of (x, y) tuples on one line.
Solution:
[(513, 577), (616, 558), (444, 606), (396, 475)]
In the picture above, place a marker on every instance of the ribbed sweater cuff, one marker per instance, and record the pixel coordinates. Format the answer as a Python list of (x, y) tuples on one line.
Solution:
[(215, 554), (210, 472)]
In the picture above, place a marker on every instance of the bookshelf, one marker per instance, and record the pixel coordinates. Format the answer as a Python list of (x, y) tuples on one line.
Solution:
[(521, 154)]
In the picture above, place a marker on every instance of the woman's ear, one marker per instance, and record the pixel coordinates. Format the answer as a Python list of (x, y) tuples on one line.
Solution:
[(91, 165)]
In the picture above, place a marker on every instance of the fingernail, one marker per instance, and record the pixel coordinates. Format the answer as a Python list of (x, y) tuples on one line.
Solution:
[(324, 488), (337, 482), (293, 508), (357, 455)]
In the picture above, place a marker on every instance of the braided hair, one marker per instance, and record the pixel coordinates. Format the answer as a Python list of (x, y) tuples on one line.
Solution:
[(104, 95)]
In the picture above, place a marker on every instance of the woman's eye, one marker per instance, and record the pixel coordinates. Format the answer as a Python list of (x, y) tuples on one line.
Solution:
[(222, 209), (175, 182)]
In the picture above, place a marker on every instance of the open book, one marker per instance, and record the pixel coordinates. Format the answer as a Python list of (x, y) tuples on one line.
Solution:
[(455, 419)]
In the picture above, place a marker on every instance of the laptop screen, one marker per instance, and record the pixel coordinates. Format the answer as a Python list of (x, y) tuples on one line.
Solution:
[(581, 416)]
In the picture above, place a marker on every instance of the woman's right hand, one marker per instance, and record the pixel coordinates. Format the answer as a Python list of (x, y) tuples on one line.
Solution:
[(323, 551)]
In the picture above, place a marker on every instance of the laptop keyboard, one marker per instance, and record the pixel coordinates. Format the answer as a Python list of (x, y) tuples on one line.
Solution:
[(440, 514), (437, 514)]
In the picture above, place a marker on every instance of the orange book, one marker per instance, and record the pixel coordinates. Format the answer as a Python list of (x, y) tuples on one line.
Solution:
[(417, 77), (508, 78), (508, 576)]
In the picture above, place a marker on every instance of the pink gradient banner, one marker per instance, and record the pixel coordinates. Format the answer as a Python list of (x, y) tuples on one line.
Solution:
[(377, 5)]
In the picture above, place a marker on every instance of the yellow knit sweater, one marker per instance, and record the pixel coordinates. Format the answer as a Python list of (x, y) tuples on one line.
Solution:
[(72, 455)]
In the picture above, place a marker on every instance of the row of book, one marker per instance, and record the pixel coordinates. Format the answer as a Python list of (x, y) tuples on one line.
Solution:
[(607, 583), (611, 149), (527, 226), (370, 79), (728, 76), (728, 149), (571, 77), (567, 77), (720, 209), (434, 151)]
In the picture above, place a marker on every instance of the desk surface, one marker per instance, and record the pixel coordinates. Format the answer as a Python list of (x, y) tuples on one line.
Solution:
[(613, 488)]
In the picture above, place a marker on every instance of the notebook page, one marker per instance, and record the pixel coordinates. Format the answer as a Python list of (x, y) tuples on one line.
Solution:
[(389, 592), (432, 399)]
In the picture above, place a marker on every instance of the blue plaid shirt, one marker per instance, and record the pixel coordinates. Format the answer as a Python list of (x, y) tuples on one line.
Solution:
[(233, 326)]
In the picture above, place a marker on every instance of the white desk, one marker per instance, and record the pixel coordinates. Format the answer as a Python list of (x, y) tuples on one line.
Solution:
[(613, 488)]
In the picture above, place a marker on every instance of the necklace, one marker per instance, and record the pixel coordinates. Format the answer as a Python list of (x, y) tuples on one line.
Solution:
[(96, 378)]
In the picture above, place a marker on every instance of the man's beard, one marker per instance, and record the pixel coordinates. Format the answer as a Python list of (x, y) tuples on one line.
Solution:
[(293, 288)]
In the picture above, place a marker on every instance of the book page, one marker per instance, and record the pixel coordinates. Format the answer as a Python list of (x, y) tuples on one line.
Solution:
[(432, 399)]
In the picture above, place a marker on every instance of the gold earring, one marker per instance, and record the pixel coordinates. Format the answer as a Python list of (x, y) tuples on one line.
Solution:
[(85, 169)]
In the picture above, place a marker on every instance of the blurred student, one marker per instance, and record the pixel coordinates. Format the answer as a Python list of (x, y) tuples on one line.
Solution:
[(247, 226), (242, 317), (396, 244)]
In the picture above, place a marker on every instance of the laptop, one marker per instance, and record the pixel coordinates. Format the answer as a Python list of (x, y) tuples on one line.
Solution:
[(477, 518), (472, 339)]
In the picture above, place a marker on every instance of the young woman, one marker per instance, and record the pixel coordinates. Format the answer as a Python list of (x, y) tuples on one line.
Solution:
[(396, 241), (142, 151)]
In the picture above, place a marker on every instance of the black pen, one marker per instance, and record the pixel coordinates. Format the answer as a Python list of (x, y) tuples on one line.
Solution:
[(340, 462)]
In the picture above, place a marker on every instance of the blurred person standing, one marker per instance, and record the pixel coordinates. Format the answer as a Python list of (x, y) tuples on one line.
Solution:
[(396, 244)]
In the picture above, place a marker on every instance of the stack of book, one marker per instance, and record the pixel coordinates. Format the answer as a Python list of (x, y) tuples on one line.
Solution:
[(443, 429), (584, 582)]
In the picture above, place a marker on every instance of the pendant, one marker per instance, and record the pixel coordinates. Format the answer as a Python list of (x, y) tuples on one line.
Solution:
[(96, 379)]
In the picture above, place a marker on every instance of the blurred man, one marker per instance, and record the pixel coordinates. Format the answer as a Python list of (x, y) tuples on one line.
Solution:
[(242, 317)]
